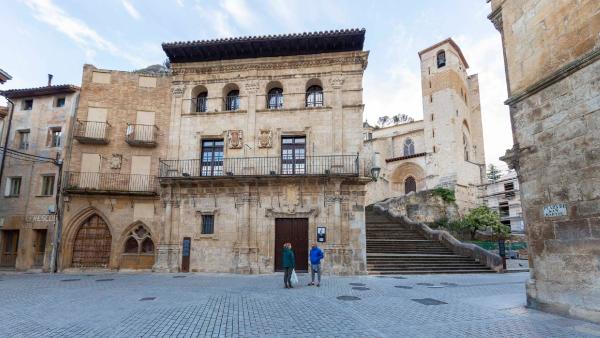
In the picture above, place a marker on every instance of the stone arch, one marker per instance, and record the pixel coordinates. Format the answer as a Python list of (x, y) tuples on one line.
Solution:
[(410, 184), (199, 99), (137, 249), (402, 172), (231, 97), (70, 233), (273, 84), (274, 95), (315, 96), (313, 82)]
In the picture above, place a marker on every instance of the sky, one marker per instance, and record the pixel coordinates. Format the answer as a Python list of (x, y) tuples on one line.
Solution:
[(59, 36)]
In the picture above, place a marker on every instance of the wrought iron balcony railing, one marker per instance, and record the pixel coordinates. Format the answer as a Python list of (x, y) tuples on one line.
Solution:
[(99, 183), (142, 135), (92, 132), (232, 103), (332, 165)]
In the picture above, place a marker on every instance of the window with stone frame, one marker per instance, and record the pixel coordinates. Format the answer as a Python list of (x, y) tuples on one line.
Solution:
[(232, 101), (13, 187), (47, 185), (54, 137), (27, 104), (23, 139), (441, 59), (208, 224), (409, 147), (60, 102), (314, 96)]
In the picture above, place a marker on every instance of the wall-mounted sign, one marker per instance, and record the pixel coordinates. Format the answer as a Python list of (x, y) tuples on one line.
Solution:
[(555, 210), (321, 234)]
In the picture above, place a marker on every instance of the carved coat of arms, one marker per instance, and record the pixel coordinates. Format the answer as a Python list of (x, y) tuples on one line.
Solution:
[(235, 139), (265, 138)]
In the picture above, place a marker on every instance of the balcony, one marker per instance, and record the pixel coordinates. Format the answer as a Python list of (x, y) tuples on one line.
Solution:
[(109, 183), (141, 135), (92, 132), (332, 165)]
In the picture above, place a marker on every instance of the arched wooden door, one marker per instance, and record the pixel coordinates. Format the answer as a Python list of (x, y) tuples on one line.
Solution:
[(91, 248)]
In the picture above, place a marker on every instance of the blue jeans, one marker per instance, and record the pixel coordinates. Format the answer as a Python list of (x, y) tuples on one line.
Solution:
[(315, 268)]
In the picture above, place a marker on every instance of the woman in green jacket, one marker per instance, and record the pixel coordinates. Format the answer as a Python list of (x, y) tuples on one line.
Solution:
[(289, 263)]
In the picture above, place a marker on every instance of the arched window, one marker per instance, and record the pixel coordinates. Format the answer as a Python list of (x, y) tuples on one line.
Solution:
[(131, 246), (441, 59), (201, 102), (466, 146), (139, 241), (410, 184), (275, 98), (232, 101), (314, 96), (409, 147)]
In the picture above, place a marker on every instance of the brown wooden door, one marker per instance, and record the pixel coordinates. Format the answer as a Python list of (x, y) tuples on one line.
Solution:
[(39, 247), (92, 244), (295, 231), (10, 245), (185, 254)]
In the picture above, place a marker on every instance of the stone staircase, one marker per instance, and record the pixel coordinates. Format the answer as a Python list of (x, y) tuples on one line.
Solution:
[(394, 248)]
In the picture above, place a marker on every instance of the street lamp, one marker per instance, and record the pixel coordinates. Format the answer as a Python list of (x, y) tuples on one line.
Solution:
[(375, 167)]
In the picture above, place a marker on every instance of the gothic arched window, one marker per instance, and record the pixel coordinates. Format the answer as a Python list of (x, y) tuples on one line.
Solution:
[(409, 147), (441, 59), (410, 184)]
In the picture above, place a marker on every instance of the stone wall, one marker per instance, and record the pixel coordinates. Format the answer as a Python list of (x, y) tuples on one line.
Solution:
[(552, 58), (423, 206)]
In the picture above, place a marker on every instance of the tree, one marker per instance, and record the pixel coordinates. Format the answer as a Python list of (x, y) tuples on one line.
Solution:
[(401, 119), (482, 218), (493, 173), (383, 121)]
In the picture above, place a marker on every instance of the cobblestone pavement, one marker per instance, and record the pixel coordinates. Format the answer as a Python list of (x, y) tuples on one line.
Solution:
[(221, 305)]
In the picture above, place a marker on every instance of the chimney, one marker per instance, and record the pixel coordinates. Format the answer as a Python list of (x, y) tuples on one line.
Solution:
[(50, 76)]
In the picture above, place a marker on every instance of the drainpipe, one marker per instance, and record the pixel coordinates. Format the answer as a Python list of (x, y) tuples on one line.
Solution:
[(10, 115)]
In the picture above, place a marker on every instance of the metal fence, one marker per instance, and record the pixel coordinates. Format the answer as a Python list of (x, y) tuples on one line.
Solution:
[(109, 182), (331, 165), (92, 131), (141, 134)]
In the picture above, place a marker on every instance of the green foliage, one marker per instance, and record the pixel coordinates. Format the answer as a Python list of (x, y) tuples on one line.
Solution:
[(446, 194), (482, 218), (493, 173)]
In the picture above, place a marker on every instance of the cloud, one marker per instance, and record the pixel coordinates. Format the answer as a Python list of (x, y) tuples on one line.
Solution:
[(241, 14), (130, 9), (216, 20), (179, 3), (78, 31)]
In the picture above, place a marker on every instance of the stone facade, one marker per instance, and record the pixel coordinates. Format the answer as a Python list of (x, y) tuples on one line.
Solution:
[(41, 124), (229, 160), (446, 147), (552, 58), (113, 164)]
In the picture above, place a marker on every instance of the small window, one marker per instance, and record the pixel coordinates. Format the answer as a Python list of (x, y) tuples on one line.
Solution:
[(466, 146), (55, 135), (504, 209), (232, 101), (431, 98), (60, 102), (201, 99), (208, 224), (47, 185), (410, 184), (275, 98), (23, 139), (27, 104), (409, 147), (431, 116), (509, 189), (314, 96), (368, 136), (441, 59), (13, 188)]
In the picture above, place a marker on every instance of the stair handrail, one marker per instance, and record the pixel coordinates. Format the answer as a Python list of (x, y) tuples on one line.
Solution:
[(491, 260)]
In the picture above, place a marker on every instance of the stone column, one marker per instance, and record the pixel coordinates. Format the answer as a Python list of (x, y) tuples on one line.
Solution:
[(337, 123), (250, 132)]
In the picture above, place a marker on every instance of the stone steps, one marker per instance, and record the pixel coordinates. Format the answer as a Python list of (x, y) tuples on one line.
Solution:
[(393, 248)]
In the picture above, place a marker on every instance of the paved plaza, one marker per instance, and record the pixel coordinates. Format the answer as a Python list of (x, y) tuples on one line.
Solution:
[(220, 305)]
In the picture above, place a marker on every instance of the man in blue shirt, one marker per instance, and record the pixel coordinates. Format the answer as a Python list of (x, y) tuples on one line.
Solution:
[(316, 255)]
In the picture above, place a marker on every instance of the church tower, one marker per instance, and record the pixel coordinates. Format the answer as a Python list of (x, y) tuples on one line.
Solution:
[(452, 122)]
